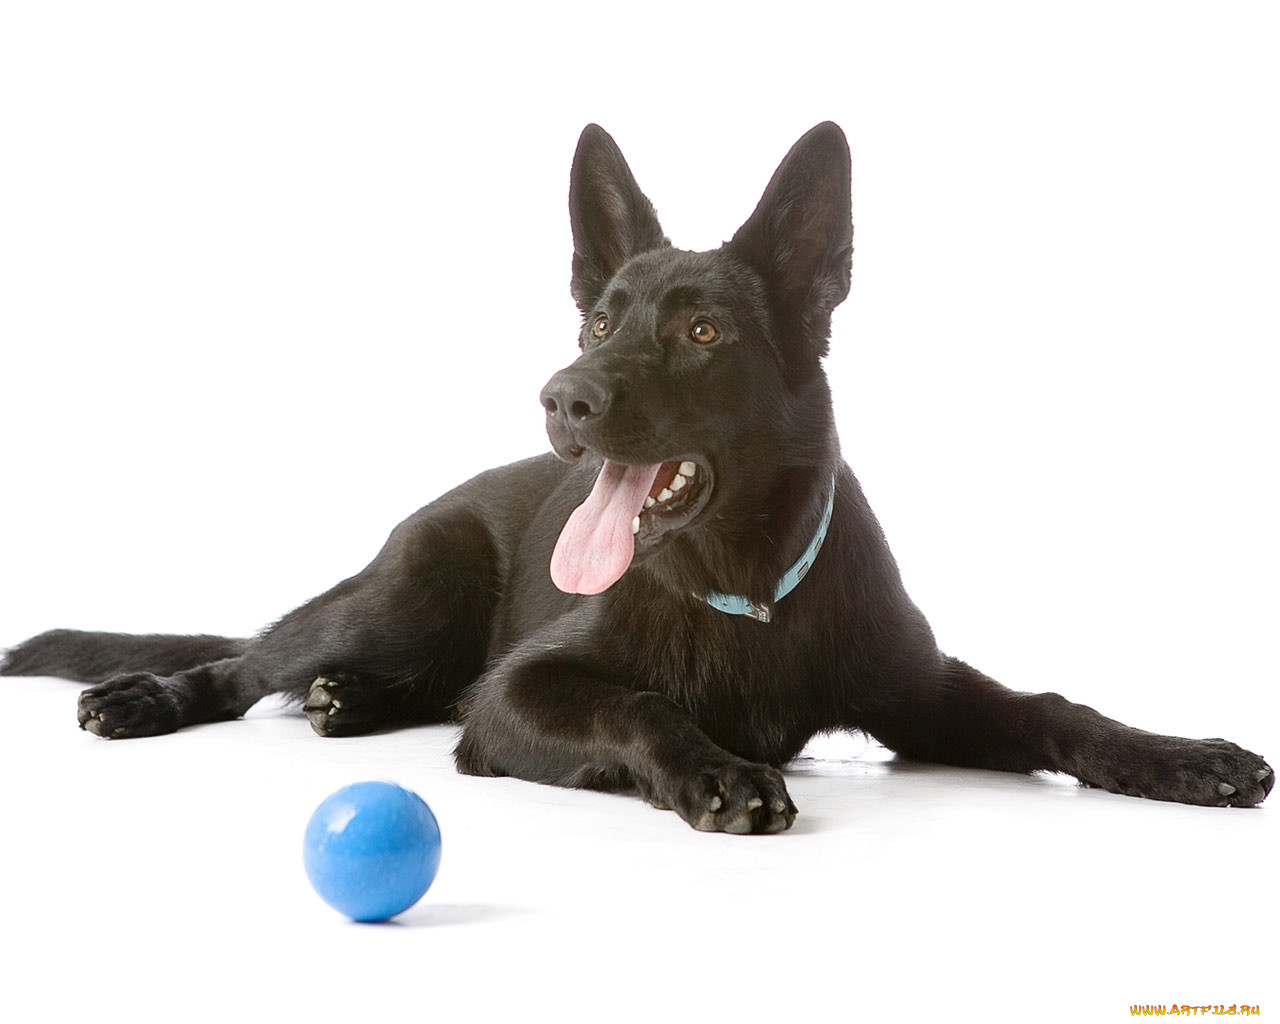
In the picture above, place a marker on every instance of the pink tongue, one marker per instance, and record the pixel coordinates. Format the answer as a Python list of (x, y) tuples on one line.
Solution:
[(596, 544)]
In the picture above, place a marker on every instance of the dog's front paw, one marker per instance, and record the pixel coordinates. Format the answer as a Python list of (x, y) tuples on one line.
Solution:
[(740, 798), (1211, 773), (131, 705), (1219, 773)]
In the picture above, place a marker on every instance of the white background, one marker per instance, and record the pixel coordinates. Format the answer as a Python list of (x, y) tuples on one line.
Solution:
[(272, 275)]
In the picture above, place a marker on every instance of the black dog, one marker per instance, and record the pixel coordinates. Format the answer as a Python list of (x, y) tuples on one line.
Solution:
[(693, 589)]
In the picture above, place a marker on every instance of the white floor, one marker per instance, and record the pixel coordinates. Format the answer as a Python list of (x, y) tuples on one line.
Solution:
[(161, 880)]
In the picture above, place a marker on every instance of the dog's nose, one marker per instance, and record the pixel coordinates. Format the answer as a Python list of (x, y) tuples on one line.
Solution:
[(575, 397)]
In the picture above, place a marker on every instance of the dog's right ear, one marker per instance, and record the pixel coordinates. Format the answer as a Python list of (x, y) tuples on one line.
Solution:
[(612, 220)]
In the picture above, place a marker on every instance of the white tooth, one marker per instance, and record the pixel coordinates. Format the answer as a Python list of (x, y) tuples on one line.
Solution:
[(688, 469), (664, 494), (635, 525), (649, 503), (677, 482)]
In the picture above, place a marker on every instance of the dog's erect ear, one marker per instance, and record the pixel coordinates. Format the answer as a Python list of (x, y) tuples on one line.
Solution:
[(612, 220), (800, 238)]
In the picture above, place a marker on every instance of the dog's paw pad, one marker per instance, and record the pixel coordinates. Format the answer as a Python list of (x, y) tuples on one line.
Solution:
[(322, 705), (339, 704), (128, 706)]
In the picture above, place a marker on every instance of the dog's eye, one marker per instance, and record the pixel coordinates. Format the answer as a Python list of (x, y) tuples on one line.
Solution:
[(601, 327), (704, 332)]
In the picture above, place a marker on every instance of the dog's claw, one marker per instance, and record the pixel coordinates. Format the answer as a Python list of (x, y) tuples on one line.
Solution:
[(1225, 788)]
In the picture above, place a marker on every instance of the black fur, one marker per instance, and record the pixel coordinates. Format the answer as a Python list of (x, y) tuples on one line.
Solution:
[(645, 686)]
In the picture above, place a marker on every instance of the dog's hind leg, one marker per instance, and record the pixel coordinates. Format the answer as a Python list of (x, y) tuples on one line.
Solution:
[(393, 645), (964, 718)]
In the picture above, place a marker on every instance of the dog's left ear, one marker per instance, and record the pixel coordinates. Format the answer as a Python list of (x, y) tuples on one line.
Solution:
[(800, 238), (612, 220)]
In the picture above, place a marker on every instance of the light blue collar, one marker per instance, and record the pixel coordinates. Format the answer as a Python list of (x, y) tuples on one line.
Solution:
[(734, 604)]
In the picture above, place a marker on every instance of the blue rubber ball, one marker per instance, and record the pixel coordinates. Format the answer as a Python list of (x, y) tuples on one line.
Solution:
[(372, 850)]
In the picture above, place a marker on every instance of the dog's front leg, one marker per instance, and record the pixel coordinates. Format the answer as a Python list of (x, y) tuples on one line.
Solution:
[(963, 717), (560, 723)]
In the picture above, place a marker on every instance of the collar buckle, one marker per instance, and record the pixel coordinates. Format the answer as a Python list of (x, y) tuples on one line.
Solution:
[(759, 612)]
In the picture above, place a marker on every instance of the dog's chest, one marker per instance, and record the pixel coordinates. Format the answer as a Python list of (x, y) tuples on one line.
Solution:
[(755, 688)]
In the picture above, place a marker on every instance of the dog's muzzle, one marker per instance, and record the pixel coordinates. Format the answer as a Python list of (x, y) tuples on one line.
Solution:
[(577, 399)]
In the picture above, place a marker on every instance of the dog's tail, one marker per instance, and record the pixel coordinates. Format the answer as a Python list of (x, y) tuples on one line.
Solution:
[(95, 657)]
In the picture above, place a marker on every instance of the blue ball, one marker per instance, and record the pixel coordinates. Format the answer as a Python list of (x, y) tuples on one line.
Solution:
[(372, 850)]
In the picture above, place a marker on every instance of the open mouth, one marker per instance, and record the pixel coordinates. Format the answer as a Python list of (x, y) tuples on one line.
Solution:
[(629, 510), (678, 493)]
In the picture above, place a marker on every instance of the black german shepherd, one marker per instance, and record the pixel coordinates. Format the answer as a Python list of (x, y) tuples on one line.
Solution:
[(681, 599)]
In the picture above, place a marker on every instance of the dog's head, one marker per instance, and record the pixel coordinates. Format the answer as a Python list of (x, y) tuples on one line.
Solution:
[(700, 382)]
